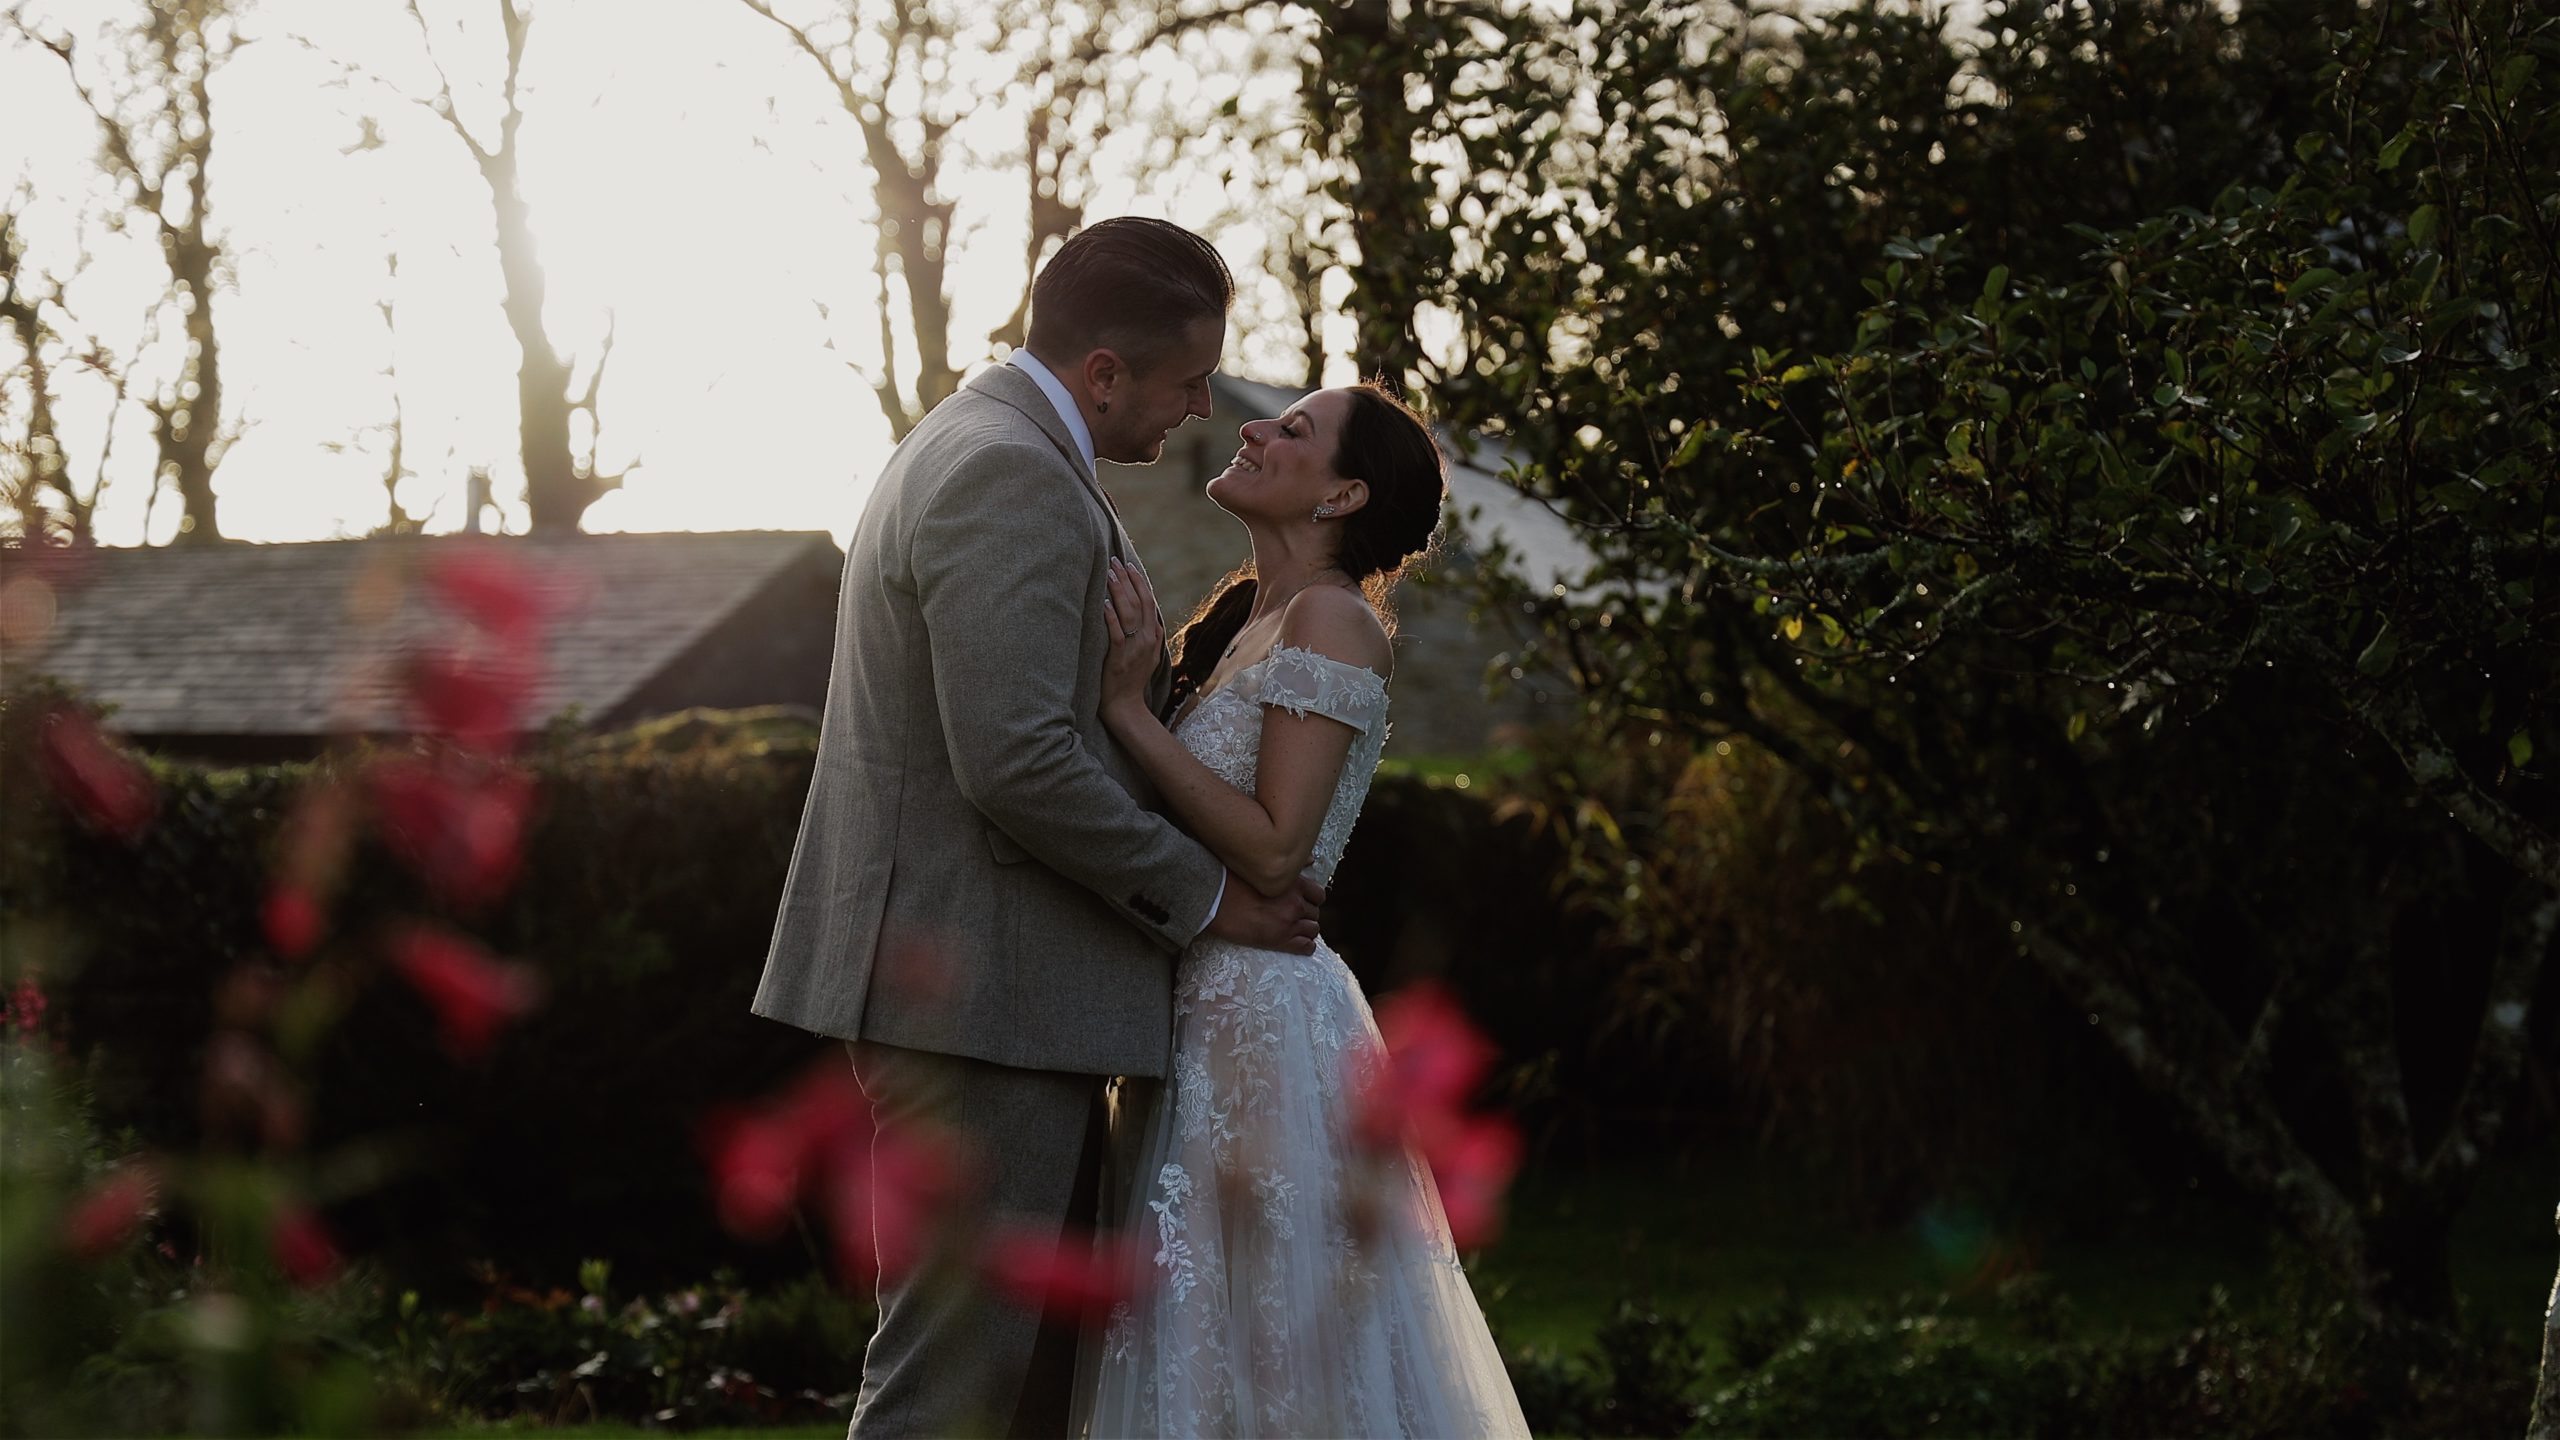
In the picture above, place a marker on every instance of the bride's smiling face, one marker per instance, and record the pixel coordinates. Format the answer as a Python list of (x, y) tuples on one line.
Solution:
[(1285, 465)]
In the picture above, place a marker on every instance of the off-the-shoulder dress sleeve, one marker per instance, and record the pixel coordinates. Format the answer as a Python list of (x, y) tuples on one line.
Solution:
[(1304, 682)]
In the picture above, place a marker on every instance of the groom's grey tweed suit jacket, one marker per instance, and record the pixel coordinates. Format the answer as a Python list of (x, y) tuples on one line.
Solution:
[(979, 870)]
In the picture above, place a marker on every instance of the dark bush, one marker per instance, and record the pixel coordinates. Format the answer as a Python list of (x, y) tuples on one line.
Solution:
[(653, 867), (711, 1354), (2303, 1368)]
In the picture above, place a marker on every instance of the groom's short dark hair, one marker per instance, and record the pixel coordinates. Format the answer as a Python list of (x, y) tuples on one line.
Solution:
[(1127, 284)]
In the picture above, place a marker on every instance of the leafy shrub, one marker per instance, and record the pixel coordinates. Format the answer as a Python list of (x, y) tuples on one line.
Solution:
[(1898, 1370), (1915, 1367), (1640, 1377), (117, 1323), (702, 1355)]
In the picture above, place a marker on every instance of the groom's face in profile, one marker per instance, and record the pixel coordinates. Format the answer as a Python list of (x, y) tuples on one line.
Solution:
[(1154, 400)]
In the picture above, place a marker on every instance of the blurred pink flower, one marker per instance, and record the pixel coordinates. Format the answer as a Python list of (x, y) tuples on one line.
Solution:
[(495, 592), (1417, 1093), (472, 992), (311, 857), (1473, 1164), (1081, 1275), (885, 1199), (1435, 1059), (107, 1215), (460, 826), (305, 1251), (105, 787), (476, 699), (882, 1188), (292, 921), (23, 1012), (757, 1165)]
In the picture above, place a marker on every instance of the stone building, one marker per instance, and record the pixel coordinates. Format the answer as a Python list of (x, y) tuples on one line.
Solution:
[(244, 653)]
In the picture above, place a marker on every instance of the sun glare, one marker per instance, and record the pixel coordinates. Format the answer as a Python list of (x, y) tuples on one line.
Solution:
[(696, 192)]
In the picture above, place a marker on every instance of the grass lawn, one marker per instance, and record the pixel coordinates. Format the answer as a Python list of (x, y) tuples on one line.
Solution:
[(1738, 1230)]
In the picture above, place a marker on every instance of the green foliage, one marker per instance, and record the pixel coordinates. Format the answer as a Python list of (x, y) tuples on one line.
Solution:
[(1864, 1009), (1913, 1367), (165, 1326), (2107, 458), (703, 1355)]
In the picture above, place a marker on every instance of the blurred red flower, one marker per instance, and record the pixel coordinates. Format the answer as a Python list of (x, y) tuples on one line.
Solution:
[(886, 1198), (1435, 1058), (762, 1159), (23, 1013), (292, 921), (105, 787), (310, 860), (493, 591), (460, 826), (1473, 1165), (305, 1251), (472, 992), (476, 699), (110, 1211), (1082, 1275), (881, 1187), (1417, 1093), (757, 1165)]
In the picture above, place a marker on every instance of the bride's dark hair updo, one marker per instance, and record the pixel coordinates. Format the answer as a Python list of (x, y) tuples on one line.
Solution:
[(1385, 444)]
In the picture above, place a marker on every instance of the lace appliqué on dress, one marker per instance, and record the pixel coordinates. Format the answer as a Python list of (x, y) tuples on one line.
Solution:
[(1298, 1285)]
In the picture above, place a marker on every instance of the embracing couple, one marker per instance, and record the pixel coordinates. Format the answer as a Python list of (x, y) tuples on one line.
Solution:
[(1057, 890)]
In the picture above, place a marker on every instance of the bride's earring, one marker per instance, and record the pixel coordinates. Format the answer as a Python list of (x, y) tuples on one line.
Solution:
[(1324, 512)]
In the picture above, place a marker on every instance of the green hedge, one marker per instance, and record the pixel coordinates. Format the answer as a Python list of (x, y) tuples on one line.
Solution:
[(654, 864)]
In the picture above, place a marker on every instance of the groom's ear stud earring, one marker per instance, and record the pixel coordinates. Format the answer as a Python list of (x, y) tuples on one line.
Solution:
[(1102, 407)]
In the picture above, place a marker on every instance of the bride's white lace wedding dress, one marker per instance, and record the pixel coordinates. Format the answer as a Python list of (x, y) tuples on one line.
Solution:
[(1297, 1284)]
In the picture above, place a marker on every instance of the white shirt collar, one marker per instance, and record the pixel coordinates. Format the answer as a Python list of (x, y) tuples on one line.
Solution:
[(1050, 385)]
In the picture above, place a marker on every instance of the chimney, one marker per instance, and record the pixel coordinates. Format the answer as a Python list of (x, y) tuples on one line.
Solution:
[(475, 498)]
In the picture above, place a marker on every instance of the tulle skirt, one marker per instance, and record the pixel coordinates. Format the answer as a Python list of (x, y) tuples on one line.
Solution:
[(1291, 1280)]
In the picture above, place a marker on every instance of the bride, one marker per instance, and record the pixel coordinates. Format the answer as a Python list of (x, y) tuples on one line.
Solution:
[(1298, 1283)]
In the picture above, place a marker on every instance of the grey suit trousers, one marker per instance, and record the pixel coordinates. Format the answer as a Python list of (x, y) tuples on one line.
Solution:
[(1039, 1138)]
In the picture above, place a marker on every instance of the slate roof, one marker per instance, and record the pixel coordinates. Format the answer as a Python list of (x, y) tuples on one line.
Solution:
[(308, 639)]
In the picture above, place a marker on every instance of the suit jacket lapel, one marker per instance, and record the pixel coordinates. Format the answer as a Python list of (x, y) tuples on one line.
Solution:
[(1011, 386), (1005, 383)]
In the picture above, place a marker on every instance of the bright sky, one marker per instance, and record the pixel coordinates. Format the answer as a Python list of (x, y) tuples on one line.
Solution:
[(697, 179)]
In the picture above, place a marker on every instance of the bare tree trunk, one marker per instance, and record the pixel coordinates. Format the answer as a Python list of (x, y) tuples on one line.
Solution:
[(44, 470), (1361, 59), (2545, 1424), (188, 424), (1300, 263), (189, 432), (558, 488), (164, 160), (911, 252), (555, 492), (397, 519)]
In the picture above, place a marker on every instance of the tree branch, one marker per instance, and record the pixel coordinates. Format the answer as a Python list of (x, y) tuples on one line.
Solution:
[(2392, 711), (2497, 1056)]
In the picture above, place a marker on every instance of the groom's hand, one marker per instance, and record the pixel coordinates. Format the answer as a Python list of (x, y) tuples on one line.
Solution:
[(1285, 922)]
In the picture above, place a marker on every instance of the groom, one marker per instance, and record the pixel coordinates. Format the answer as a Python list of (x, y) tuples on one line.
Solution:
[(983, 901)]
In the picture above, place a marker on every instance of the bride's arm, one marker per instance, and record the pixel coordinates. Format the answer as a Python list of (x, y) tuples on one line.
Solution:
[(1265, 837)]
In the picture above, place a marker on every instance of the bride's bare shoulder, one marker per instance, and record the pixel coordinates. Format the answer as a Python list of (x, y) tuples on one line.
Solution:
[(1338, 624)]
